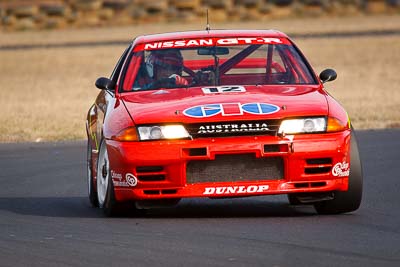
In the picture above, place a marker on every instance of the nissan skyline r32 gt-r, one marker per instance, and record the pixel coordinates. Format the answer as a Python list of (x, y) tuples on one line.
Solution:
[(219, 114)]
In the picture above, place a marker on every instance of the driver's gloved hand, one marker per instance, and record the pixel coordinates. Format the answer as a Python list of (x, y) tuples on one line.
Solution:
[(178, 79)]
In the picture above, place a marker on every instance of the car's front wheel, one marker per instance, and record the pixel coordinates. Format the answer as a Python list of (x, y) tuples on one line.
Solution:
[(350, 200), (105, 187)]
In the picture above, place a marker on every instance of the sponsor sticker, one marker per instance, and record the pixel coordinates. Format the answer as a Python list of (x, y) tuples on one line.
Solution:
[(233, 128), (131, 179), (116, 175), (341, 169), (224, 190), (118, 182), (230, 109)]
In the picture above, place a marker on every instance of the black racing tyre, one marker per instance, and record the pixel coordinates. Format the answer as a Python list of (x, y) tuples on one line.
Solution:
[(350, 200), (111, 207), (92, 193)]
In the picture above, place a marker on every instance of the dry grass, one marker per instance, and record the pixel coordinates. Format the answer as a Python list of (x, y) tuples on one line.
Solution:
[(48, 91), (45, 93)]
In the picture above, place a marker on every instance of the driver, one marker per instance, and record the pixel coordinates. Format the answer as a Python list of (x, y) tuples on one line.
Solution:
[(164, 68)]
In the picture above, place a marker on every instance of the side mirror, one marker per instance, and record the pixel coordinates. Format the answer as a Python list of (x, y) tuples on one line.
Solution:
[(104, 84), (328, 75)]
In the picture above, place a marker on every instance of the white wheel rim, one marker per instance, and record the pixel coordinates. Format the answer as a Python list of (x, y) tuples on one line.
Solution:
[(103, 168)]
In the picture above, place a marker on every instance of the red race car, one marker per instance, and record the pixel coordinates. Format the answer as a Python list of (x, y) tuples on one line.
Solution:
[(217, 114)]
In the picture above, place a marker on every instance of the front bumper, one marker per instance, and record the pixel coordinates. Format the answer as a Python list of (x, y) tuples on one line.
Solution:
[(164, 169)]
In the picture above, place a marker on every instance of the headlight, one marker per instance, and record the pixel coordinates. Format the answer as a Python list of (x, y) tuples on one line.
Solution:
[(162, 132), (306, 125)]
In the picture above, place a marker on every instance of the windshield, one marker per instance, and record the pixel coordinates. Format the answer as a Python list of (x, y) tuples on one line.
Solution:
[(180, 63)]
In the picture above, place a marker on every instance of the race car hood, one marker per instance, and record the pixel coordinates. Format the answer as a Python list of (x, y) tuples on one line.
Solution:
[(238, 103)]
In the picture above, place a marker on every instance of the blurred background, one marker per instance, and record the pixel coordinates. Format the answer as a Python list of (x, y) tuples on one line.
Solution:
[(52, 51), (55, 14)]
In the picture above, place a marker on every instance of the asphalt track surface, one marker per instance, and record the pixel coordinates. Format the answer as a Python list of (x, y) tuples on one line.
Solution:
[(46, 220)]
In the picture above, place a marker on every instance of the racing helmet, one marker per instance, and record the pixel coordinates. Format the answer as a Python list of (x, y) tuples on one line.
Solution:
[(167, 59)]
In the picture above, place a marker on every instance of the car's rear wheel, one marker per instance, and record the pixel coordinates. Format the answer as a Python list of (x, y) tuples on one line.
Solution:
[(90, 183), (350, 200)]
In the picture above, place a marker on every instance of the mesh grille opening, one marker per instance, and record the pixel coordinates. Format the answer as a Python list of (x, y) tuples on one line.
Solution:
[(227, 168)]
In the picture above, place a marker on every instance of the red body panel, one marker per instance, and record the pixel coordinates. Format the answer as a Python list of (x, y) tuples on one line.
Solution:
[(173, 157)]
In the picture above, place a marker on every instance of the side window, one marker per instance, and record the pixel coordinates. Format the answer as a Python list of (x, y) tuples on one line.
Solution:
[(117, 69)]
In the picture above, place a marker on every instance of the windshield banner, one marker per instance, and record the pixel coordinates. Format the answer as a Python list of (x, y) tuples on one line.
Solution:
[(210, 42)]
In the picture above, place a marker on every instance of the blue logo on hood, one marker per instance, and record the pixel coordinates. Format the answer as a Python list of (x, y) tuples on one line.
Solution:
[(230, 109)]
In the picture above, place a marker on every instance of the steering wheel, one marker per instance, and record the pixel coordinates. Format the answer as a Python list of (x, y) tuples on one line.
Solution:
[(193, 75)]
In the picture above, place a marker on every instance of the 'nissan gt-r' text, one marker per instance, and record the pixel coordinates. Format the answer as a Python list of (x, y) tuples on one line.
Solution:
[(219, 114)]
